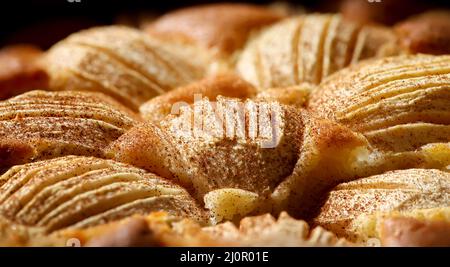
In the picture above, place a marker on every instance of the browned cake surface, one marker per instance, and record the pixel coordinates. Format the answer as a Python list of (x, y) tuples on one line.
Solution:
[(222, 27), (265, 230), (158, 229), (161, 229), (228, 85), (426, 33), (20, 70), (296, 95), (407, 232)]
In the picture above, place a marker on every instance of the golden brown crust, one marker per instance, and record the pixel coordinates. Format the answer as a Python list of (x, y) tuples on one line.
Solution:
[(15, 235), (134, 147), (354, 209), (158, 229), (309, 48), (39, 124), (408, 232), (426, 33), (135, 232), (20, 70), (221, 27), (162, 230), (124, 63), (287, 9), (14, 151), (76, 192), (283, 162), (265, 230), (227, 85)]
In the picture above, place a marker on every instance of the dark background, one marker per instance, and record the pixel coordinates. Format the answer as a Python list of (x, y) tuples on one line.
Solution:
[(43, 22)]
